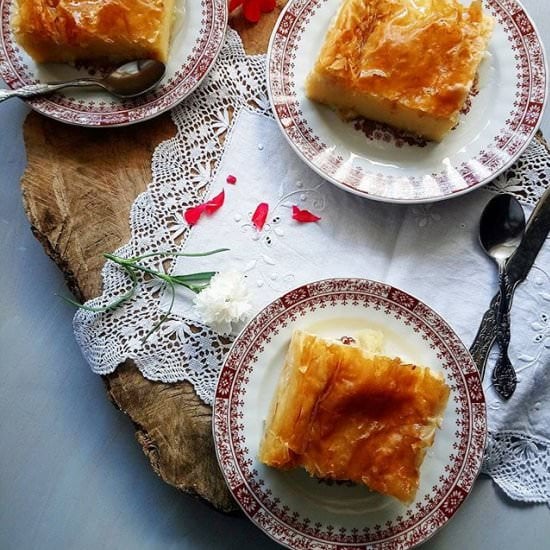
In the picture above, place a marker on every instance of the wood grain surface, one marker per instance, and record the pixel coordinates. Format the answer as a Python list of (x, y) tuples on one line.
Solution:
[(78, 189)]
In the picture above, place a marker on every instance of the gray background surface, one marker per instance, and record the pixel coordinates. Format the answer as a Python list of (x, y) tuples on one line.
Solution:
[(72, 474)]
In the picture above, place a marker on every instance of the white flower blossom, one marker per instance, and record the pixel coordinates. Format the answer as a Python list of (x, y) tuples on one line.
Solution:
[(224, 302)]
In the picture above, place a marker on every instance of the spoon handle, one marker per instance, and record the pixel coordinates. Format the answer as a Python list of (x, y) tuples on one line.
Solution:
[(34, 90), (504, 376)]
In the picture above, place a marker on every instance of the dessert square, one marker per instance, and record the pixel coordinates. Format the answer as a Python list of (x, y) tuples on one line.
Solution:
[(407, 63), (344, 412), (104, 30)]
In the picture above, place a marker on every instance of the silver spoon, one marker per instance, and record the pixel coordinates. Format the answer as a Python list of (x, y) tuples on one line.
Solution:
[(501, 229), (129, 80)]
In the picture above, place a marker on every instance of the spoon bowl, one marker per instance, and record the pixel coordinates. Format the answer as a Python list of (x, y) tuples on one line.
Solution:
[(134, 78), (501, 229)]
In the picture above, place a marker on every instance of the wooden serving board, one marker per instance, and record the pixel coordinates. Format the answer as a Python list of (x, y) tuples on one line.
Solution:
[(78, 189)]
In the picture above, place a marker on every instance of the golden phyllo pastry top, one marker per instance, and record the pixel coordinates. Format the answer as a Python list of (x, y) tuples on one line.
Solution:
[(91, 25), (421, 53), (343, 413)]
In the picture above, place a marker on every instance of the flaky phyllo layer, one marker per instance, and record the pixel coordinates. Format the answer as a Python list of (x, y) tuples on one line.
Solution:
[(112, 30), (345, 412), (410, 63)]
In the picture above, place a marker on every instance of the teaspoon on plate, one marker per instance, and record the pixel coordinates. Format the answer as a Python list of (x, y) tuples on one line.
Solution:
[(129, 80), (501, 229)]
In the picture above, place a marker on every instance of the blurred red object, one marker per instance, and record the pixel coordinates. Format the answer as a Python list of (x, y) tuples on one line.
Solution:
[(252, 9)]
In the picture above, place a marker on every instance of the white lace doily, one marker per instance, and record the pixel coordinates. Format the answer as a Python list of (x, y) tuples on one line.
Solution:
[(232, 103)]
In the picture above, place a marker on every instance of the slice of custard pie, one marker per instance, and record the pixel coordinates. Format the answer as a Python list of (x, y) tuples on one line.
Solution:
[(345, 412), (407, 63), (98, 30)]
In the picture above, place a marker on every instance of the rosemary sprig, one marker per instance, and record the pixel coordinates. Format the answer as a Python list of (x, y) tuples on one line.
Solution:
[(165, 315), (196, 282), (113, 305)]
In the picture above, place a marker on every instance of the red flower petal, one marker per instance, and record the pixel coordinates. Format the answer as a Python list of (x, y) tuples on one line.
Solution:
[(268, 5), (231, 179), (251, 10), (260, 215), (192, 215), (215, 203), (234, 4), (303, 216)]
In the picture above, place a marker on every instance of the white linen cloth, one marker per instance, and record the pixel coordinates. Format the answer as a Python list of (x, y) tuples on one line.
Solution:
[(429, 250)]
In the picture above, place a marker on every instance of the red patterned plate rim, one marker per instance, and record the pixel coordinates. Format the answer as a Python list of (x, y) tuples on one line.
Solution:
[(202, 49), (232, 422), (503, 146)]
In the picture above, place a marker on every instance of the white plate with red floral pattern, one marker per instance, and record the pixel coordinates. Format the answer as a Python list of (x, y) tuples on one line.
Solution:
[(197, 37), (499, 119), (302, 512)]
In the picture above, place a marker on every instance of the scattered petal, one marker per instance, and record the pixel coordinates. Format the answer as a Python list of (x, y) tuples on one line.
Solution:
[(234, 4), (192, 215), (252, 10), (268, 5), (303, 216), (260, 215), (231, 179), (215, 203)]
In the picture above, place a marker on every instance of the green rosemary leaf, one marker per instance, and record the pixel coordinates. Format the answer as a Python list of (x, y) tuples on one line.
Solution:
[(165, 316), (193, 278), (82, 306), (152, 272), (178, 254), (118, 260), (113, 305)]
